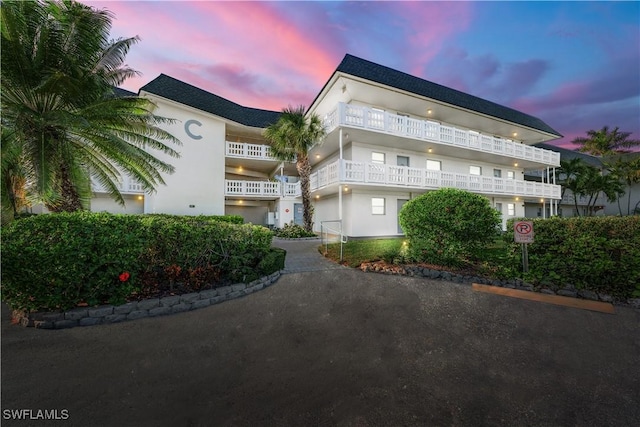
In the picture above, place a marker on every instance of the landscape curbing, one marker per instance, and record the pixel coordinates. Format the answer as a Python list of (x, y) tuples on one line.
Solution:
[(427, 273), (152, 307)]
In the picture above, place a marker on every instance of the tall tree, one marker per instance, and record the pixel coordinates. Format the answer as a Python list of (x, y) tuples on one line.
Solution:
[(291, 137), (604, 142), (60, 117)]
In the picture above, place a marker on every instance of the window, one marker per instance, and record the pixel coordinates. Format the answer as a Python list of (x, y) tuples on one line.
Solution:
[(403, 161), (377, 206), (499, 207), (511, 175), (434, 165), (377, 158), (511, 209), (497, 173), (475, 170)]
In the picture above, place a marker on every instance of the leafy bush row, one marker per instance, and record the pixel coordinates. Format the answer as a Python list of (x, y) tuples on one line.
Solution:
[(601, 254), (58, 261)]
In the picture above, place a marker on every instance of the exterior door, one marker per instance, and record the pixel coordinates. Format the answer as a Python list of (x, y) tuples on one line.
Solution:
[(298, 214), (403, 161), (401, 203)]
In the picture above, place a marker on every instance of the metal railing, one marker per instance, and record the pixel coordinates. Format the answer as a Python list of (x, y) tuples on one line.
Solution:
[(326, 232)]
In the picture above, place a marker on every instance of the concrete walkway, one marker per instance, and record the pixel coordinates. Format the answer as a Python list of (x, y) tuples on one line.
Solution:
[(303, 256), (335, 347)]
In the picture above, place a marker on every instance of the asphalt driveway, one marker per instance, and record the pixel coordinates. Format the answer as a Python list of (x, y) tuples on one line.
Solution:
[(336, 346)]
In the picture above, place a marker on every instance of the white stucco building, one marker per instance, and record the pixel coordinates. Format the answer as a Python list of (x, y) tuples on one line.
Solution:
[(390, 137)]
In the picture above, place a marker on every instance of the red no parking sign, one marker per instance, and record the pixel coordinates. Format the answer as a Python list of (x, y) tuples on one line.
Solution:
[(523, 231)]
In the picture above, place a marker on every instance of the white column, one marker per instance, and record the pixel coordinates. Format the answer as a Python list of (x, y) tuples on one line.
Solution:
[(340, 178)]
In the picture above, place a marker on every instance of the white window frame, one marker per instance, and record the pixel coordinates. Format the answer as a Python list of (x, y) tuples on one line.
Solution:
[(473, 167), (511, 175), (497, 173), (378, 206), (511, 209), (431, 163), (377, 161)]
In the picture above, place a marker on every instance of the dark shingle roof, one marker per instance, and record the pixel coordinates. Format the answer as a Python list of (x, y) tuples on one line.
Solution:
[(176, 90), (118, 92), (566, 154), (378, 73)]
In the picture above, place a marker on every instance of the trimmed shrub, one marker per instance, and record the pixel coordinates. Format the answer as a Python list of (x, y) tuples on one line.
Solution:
[(601, 254), (272, 262), (448, 225), (60, 260), (292, 231)]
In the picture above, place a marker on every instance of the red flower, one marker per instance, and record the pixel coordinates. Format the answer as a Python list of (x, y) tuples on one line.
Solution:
[(124, 276)]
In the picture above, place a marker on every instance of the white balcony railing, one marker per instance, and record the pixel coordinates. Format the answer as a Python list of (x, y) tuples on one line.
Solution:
[(402, 176), (252, 188), (394, 176), (395, 124), (126, 185), (249, 151)]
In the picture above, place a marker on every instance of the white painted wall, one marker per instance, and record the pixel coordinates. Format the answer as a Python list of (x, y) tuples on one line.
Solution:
[(361, 152), (252, 214), (284, 209), (104, 203), (198, 180)]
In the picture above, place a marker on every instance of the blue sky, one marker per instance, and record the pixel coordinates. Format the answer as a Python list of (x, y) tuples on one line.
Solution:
[(575, 65)]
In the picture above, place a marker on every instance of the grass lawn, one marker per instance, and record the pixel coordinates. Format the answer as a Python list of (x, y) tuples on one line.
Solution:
[(490, 260)]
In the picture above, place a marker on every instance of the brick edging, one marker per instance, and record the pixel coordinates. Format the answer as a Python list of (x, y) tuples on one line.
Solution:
[(567, 291), (105, 314)]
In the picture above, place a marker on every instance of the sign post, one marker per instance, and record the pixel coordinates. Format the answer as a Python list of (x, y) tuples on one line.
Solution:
[(523, 234)]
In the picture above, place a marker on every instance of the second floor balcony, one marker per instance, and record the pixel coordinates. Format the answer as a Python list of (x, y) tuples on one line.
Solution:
[(261, 189), (393, 177), (375, 120), (347, 171)]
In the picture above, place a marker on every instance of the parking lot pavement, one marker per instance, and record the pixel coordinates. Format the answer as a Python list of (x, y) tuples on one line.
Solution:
[(336, 347)]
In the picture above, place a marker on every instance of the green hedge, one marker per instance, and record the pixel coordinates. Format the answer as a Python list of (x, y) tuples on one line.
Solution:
[(448, 225), (57, 261), (601, 254)]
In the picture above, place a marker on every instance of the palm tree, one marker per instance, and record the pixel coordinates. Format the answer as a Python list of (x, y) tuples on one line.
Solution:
[(604, 142), (291, 137), (569, 177), (60, 117), (627, 170)]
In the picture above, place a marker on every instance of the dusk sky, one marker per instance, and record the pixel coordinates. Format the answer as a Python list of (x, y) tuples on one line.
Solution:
[(576, 65)]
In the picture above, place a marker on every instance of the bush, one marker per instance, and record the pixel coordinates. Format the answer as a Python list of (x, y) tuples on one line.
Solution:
[(232, 219), (448, 225), (292, 231), (57, 261), (601, 254)]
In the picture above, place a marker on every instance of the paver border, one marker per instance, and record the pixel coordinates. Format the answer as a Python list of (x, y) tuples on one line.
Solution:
[(152, 307)]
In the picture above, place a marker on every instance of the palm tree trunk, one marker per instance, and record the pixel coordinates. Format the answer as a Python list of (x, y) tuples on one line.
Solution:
[(69, 196), (304, 172)]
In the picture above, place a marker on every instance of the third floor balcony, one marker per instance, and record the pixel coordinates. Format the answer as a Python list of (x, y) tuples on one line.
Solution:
[(379, 121)]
